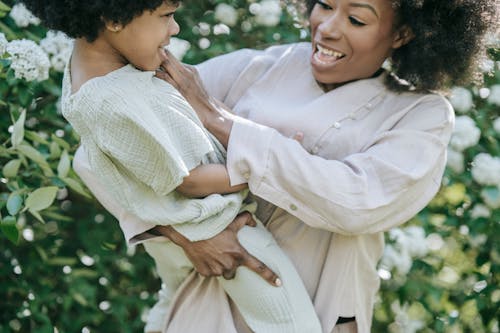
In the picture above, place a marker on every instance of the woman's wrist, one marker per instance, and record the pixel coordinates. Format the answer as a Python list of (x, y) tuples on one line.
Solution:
[(220, 125), (170, 233)]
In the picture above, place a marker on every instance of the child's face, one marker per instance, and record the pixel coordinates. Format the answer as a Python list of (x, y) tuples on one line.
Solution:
[(142, 40)]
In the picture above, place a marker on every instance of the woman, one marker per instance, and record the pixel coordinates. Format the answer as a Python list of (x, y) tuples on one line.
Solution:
[(373, 149), (374, 144), (147, 146)]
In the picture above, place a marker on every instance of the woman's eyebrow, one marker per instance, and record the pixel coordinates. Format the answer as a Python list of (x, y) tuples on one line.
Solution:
[(364, 5)]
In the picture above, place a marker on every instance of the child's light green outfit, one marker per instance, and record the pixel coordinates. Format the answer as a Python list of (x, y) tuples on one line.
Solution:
[(142, 137)]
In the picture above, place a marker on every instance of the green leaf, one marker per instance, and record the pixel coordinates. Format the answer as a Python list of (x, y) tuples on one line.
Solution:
[(60, 142), (36, 157), (18, 132), (34, 136), (64, 165), (55, 150), (9, 229), (4, 7), (37, 215), (41, 198), (62, 261), (11, 168), (79, 298), (14, 204), (77, 187)]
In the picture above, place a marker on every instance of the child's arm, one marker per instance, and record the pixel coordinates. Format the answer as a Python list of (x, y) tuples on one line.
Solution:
[(208, 179)]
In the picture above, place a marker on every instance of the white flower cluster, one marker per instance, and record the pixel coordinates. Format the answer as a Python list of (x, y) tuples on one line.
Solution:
[(486, 169), (455, 161), (491, 197), (480, 210), (226, 14), (461, 99), (408, 243), (267, 12), (403, 323), (465, 134), (28, 60), (3, 44), (58, 47), (22, 16), (494, 97), (496, 125), (178, 47)]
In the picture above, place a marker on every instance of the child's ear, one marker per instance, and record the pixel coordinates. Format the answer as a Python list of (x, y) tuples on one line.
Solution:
[(402, 36), (113, 26)]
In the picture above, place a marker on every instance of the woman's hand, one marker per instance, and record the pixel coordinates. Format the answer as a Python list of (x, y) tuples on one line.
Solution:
[(222, 254), (186, 80)]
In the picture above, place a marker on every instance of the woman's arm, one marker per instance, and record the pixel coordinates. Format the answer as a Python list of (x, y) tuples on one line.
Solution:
[(371, 191), (222, 254), (208, 179)]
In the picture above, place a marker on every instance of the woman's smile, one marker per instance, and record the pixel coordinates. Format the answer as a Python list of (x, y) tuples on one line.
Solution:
[(326, 57)]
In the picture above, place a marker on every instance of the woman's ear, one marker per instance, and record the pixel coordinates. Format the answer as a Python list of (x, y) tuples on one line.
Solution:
[(113, 26), (402, 36)]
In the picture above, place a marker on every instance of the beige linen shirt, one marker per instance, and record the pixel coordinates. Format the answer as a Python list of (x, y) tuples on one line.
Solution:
[(370, 160)]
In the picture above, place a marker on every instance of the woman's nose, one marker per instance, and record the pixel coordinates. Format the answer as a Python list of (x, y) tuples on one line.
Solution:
[(331, 26)]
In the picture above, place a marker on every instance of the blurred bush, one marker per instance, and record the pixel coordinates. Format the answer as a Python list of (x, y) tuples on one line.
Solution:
[(64, 266)]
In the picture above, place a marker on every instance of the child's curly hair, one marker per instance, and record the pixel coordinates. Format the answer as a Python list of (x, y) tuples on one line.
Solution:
[(86, 19), (448, 45)]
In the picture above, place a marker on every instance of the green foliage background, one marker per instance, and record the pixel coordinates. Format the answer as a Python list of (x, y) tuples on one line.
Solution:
[(64, 266)]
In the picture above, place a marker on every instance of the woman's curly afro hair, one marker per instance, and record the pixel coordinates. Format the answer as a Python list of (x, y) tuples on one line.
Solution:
[(86, 19), (448, 42)]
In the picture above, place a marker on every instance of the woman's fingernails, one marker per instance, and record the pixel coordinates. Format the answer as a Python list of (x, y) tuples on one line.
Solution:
[(277, 282)]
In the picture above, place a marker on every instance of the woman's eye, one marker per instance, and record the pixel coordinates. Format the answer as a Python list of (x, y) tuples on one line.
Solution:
[(323, 5), (356, 22)]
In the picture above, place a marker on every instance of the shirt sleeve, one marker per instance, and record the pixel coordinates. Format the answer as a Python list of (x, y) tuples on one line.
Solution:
[(374, 190), (227, 77)]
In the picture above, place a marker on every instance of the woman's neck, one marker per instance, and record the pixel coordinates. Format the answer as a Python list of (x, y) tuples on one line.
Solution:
[(326, 87)]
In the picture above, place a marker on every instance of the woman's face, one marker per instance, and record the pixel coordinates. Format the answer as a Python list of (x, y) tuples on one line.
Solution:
[(141, 41), (351, 38)]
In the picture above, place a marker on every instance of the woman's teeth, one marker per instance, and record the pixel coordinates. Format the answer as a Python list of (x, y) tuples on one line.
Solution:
[(328, 55)]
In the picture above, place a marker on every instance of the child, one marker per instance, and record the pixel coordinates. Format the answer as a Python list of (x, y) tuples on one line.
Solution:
[(147, 146)]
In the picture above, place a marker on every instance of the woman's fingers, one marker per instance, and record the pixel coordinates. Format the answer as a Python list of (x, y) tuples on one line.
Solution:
[(166, 77), (299, 136), (242, 220), (260, 268)]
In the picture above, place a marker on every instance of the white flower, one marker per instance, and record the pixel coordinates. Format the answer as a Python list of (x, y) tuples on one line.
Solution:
[(403, 323), (400, 260), (455, 161), (3, 44), (480, 210), (22, 16), (267, 13), (461, 99), (496, 125), (465, 134), (487, 66), (226, 14), (28, 60), (415, 241), (491, 197), (494, 97), (486, 169), (178, 47), (59, 47)]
